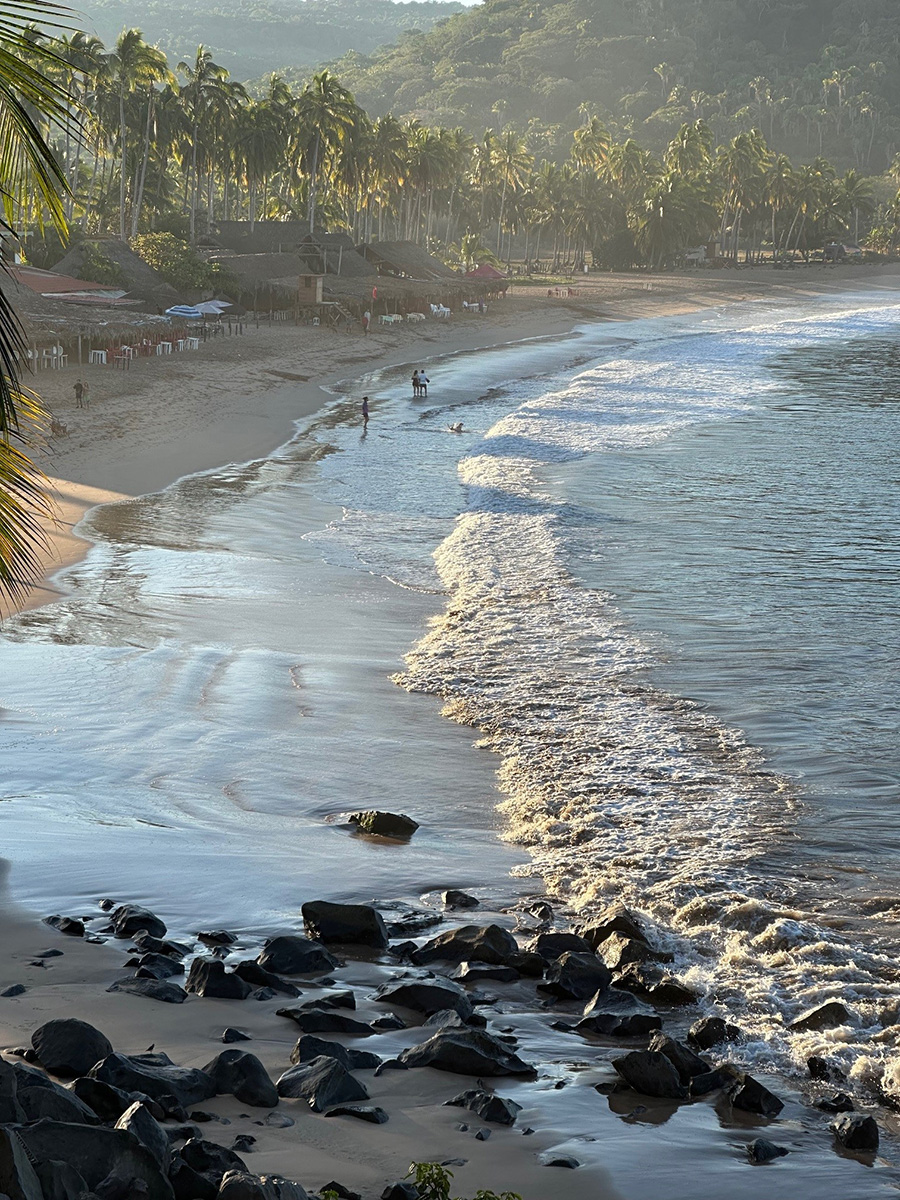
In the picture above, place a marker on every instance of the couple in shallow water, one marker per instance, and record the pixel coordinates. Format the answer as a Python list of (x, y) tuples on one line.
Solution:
[(420, 383)]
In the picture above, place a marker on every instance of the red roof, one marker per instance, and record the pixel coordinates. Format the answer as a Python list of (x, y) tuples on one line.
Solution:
[(48, 283), (485, 271)]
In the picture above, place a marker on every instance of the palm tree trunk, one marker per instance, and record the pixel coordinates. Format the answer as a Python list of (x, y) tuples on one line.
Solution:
[(312, 184), (139, 197), (122, 166)]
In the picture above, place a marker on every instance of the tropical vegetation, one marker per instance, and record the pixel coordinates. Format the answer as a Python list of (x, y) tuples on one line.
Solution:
[(171, 149)]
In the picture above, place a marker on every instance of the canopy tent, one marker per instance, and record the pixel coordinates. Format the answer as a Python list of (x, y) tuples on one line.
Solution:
[(184, 310)]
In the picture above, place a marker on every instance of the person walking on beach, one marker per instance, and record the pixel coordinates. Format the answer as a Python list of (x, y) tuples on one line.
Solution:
[(415, 382), (367, 317), (86, 395), (423, 383), (79, 393), (365, 411)]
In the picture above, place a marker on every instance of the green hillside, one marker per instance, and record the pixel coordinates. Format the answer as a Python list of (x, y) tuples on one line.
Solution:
[(260, 36), (817, 76)]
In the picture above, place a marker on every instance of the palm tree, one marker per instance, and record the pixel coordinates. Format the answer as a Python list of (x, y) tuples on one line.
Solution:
[(29, 95), (204, 80), (326, 111), (134, 66)]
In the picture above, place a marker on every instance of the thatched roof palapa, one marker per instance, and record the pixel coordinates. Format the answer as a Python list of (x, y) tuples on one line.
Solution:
[(407, 260), (141, 280)]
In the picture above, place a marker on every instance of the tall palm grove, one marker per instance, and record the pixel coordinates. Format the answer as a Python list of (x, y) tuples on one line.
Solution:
[(149, 146)]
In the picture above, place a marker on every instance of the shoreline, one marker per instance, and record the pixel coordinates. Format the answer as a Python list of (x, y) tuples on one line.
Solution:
[(712, 1141), (118, 449)]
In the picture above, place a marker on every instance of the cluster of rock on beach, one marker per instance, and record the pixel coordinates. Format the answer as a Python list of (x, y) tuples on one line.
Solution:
[(80, 1120)]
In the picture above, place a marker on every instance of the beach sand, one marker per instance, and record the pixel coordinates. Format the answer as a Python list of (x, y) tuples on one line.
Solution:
[(237, 399)]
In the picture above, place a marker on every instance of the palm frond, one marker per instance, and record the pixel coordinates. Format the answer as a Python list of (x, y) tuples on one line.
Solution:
[(24, 504)]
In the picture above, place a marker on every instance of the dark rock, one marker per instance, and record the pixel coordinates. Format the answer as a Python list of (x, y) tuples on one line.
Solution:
[(821, 1069), (487, 1106), (482, 1135), (552, 1159), (138, 1121), (476, 972), (761, 1151), (712, 1081), (239, 1074), (551, 946), (59, 1181), (325, 1020), (153, 989), (276, 1121), (217, 937), (106, 1101), (11, 1110), (96, 1154), (854, 1131), (322, 1083), (712, 1031), (345, 999), (400, 1191), (71, 926), (340, 1191), (309, 1047), (156, 1075), (576, 976), (235, 1035), (186, 1132), (14, 989), (469, 943), (454, 898), (362, 1112), (349, 924), (825, 1016), (240, 1185), (147, 944), (390, 1064), (210, 1160), (653, 985), (615, 919), (404, 950), (17, 1176), (49, 954), (208, 977), (291, 954), (527, 963), (244, 1143), (412, 922), (384, 824), (263, 993), (839, 1102), (619, 1025), (40, 1098), (617, 952), (158, 966), (68, 1046), (188, 1184), (685, 1061), (750, 1095), (466, 1052), (426, 996), (446, 1018), (652, 1074), (130, 919), (388, 1023)]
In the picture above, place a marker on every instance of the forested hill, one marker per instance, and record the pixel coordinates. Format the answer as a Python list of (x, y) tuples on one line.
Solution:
[(254, 37), (817, 76)]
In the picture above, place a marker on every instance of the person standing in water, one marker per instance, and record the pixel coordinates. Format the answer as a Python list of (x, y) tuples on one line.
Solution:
[(415, 383), (365, 411), (423, 383)]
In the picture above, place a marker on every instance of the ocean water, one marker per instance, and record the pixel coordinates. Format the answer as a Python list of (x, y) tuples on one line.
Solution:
[(631, 635)]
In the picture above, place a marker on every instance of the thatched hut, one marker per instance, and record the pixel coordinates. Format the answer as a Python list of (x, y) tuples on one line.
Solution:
[(122, 267)]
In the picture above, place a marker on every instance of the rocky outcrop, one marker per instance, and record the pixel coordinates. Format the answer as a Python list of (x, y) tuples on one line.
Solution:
[(384, 824), (466, 1052), (576, 976), (824, 1016), (750, 1095), (615, 919), (208, 977), (130, 919), (138, 1120), (68, 1046), (97, 1154), (240, 1074), (325, 1020), (712, 1031), (156, 1076), (309, 1047), (487, 1106), (345, 924), (857, 1132), (469, 943), (652, 1074), (322, 1083), (291, 954), (426, 996), (153, 989)]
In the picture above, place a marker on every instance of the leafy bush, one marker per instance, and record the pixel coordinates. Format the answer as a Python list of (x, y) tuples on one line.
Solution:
[(179, 264), (433, 1182)]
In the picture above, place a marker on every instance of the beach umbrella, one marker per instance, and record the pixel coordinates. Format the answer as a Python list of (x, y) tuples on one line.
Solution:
[(213, 308), (184, 310)]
